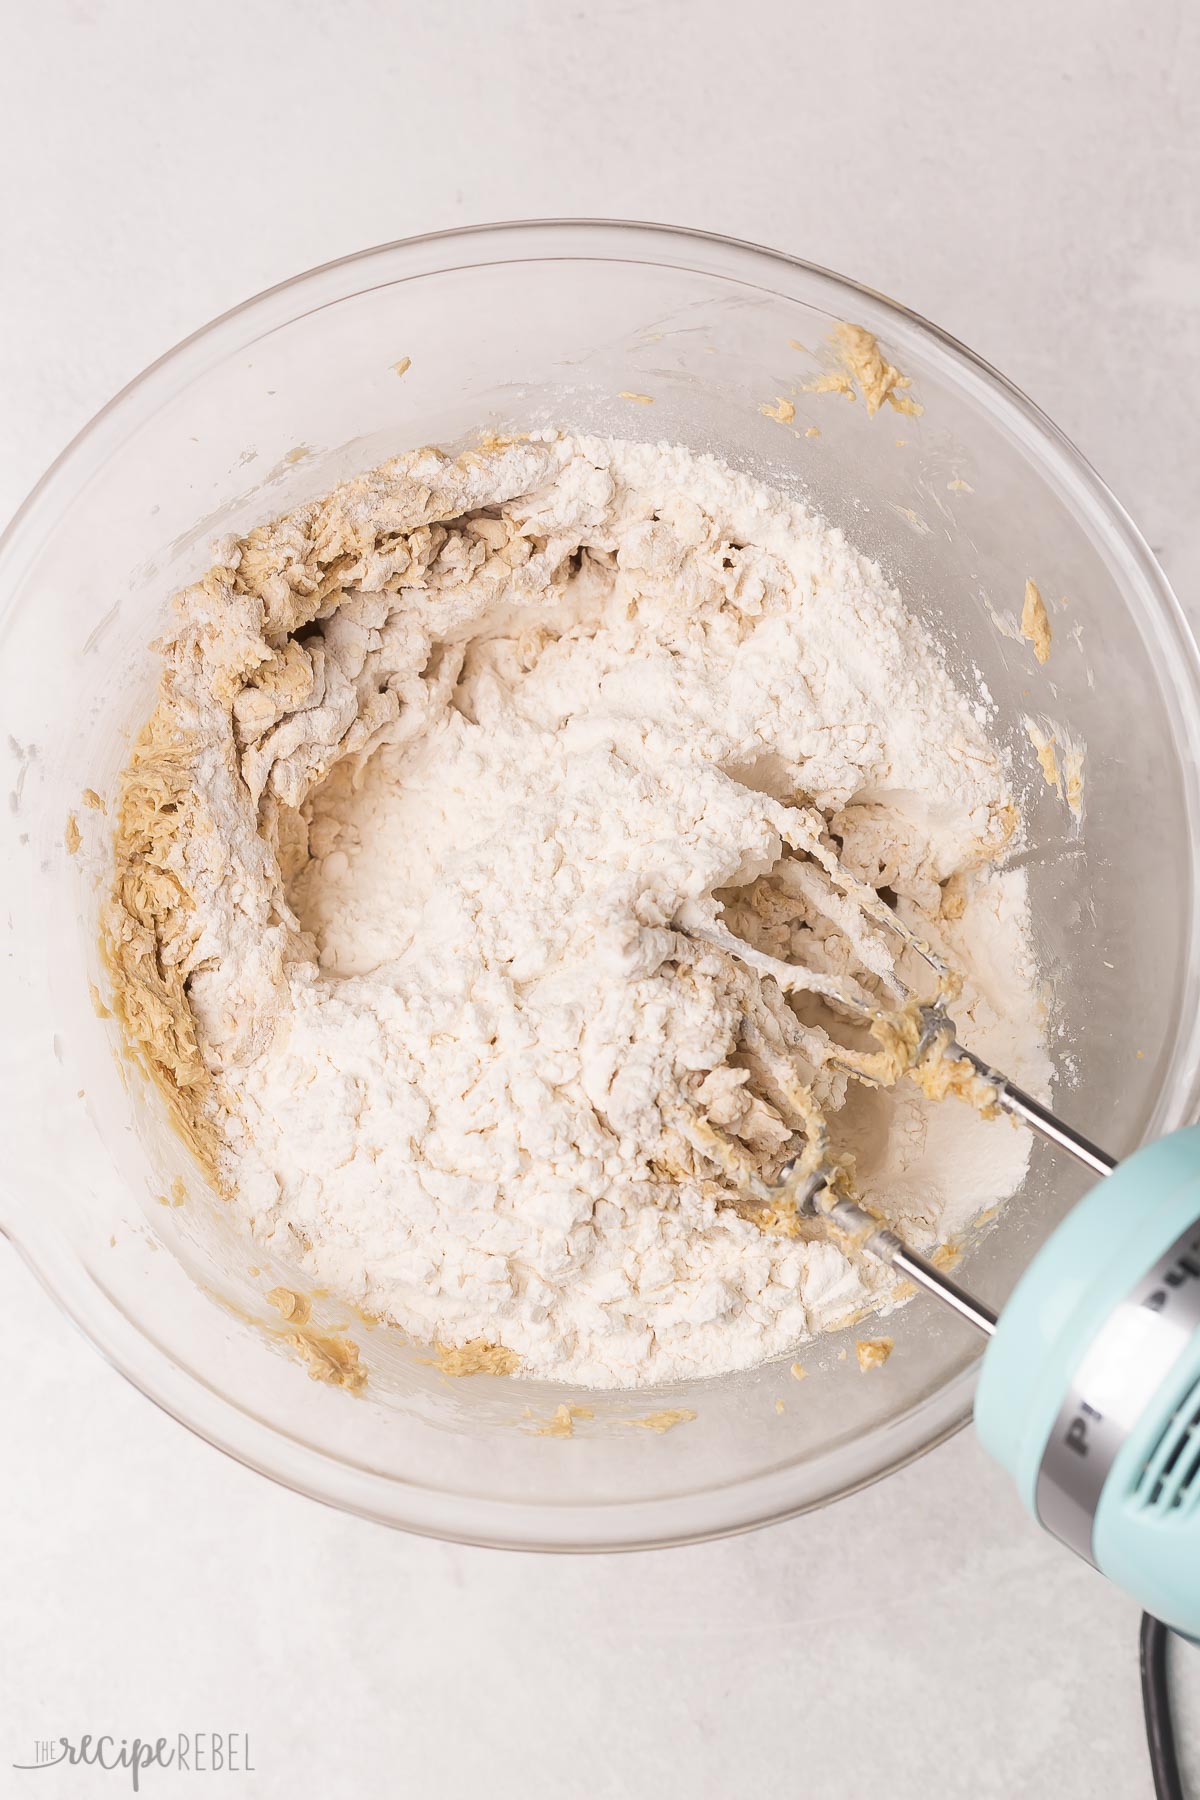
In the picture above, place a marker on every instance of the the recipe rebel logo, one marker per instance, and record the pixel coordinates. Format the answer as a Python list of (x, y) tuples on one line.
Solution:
[(189, 1753)]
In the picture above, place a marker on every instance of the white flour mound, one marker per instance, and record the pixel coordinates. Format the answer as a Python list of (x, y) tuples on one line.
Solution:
[(476, 732)]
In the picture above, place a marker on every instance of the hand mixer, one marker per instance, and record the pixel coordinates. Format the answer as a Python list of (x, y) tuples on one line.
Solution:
[(1089, 1394)]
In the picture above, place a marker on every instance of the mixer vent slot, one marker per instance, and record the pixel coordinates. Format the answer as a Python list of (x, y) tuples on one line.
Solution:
[(1170, 1478)]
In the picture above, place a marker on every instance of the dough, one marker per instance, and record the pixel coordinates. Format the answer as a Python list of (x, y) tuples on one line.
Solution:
[(454, 776)]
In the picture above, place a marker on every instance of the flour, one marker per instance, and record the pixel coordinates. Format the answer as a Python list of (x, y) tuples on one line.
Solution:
[(440, 766)]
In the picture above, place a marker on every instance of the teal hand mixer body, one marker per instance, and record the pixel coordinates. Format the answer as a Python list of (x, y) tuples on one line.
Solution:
[(1090, 1388)]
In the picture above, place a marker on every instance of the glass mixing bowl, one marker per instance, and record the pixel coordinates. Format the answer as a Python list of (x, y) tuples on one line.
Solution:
[(511, 327)]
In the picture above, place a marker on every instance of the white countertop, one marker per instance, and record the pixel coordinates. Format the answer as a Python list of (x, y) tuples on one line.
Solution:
[(1028, 177)]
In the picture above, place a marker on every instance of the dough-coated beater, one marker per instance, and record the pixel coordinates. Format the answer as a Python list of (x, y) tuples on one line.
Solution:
[(1089, 1393)]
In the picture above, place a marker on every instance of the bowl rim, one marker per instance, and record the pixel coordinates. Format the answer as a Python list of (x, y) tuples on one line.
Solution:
[(182, 1394)]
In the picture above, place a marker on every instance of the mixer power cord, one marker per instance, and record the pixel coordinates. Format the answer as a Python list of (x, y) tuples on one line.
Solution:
[(1156, 1703)]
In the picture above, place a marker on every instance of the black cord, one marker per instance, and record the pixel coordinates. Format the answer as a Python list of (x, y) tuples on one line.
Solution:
[(1156, 1703)]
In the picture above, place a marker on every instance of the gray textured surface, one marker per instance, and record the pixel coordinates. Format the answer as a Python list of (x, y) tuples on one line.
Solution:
[(1029, 177)]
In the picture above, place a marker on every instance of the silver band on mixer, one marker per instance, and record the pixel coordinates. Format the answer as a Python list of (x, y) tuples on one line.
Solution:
[(1128, 1359)]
